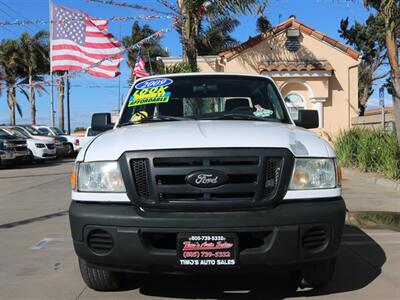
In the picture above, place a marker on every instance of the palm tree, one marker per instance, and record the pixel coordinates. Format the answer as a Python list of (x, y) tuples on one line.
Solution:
[(11, 70), (35, 62), (390, 11), (150, 50), (216, 37), (193, 12)]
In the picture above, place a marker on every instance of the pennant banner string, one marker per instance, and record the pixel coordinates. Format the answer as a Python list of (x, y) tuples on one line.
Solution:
[(38, 21), (169, 6), (135, 6)]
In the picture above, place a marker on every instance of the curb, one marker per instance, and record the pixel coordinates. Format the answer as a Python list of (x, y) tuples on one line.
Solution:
[(374, 179)]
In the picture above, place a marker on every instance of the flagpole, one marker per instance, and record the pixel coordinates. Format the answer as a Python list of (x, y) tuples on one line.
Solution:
[(51, 71), (68, 106)]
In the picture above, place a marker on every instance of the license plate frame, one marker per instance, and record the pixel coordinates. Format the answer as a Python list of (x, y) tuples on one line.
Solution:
[(207, 250)]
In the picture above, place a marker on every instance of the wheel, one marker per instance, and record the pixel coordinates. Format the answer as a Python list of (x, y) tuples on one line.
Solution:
[(99, 279), (70, 150), (31, 158), (318, 274)]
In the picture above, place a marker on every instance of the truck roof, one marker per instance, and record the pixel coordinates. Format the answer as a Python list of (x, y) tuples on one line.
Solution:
[(204, 74)]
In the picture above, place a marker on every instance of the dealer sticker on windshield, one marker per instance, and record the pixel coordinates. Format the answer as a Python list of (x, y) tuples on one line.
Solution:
[(150, 92), (207, 250)]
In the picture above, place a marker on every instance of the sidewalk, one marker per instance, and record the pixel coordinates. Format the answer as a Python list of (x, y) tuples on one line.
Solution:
[(361, 193)]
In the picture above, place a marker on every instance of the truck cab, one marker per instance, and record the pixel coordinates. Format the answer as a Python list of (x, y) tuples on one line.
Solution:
[(206, 173)]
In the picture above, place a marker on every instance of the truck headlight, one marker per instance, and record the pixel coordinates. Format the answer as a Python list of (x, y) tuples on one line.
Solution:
[(100, 177), (314, 173)]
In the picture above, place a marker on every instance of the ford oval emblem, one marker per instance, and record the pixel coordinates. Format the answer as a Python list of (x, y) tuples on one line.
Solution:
[(206, 178)]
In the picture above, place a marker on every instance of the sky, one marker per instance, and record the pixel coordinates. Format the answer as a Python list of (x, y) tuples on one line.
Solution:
[(90, 94)]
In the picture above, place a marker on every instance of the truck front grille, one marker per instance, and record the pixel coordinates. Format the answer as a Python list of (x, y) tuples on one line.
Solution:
[(139, 169), (253, 176)]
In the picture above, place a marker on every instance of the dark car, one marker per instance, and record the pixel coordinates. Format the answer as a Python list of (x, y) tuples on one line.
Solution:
[(12, 149)]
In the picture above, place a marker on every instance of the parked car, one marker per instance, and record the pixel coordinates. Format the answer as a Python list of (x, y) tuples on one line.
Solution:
[(74, 144), (195, 178), (12, 149), (62, 145), (38, 149)]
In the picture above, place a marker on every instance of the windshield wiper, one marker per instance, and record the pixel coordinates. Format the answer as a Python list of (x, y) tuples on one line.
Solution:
[(159, 118), (234, 117)]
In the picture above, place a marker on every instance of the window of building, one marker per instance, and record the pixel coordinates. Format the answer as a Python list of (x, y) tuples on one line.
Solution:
[(294, 102)]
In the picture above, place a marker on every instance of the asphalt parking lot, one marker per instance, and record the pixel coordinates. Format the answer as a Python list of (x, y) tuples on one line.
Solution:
[(37, 259)]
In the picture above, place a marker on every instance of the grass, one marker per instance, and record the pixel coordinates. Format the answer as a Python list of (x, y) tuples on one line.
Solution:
[(369, 150), (390, 219)]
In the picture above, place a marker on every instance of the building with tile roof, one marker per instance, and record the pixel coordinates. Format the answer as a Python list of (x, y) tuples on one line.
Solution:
[(311, 69)]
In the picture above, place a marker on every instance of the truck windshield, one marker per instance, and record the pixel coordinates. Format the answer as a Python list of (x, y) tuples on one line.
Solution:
[(32, 130), (202, 97), (58, 131)]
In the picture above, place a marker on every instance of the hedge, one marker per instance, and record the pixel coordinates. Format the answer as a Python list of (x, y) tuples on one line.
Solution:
[(369, 150)]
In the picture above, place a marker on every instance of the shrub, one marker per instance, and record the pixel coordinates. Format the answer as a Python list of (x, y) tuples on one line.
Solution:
[(369, 150), (78, 129)]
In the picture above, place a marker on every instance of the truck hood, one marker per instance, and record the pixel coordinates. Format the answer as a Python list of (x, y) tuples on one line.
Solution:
[(43, 138), (206, 134)]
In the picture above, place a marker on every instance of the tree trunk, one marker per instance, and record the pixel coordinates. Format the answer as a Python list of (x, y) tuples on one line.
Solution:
[(396, 104), (189, 33), (60, 88), (393, 56), (364, 98), (32, 101), (11, 103)]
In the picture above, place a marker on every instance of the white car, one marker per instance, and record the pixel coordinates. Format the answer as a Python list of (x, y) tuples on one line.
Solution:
[(206, 173), (38, 149), (63, 148), (74, 144)]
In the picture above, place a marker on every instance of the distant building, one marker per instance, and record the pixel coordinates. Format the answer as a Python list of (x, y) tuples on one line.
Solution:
[(311, 69)]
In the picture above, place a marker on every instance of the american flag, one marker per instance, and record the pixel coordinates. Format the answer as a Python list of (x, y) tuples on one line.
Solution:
[(139, 69), (82, 43)]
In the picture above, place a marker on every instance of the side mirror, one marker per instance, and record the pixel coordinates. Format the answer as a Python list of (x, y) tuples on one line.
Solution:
[(308, 118), (101, 122)]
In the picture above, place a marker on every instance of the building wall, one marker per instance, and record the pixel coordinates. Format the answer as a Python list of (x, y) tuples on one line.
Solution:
[(340, 90)]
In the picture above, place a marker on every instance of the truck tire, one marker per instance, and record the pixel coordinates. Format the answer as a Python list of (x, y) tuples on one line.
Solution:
[(319, 273), (99, 279)]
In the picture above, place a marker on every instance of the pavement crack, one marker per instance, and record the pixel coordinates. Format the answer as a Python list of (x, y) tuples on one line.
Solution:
[(80, 294)]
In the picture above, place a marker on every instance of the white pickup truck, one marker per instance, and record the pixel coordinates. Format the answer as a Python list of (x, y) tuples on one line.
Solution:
[(206, 173)]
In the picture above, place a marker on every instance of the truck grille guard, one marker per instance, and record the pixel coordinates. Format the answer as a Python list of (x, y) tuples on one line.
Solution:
[(255, 177)]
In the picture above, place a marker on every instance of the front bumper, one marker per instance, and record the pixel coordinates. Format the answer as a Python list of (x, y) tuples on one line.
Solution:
[(62, 149), (12, 155), (45, 154), (132, 231)]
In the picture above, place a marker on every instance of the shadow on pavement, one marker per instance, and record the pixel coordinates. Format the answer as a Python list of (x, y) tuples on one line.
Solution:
[(359, 263), (39, 164)]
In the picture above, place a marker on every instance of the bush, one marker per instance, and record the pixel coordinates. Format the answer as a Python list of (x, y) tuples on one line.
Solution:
[(78, 129), (369, 150)]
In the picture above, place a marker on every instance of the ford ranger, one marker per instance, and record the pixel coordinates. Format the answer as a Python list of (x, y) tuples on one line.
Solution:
[(206, 173)]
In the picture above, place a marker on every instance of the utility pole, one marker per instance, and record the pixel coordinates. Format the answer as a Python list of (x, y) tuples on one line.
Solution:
[(52, 119)]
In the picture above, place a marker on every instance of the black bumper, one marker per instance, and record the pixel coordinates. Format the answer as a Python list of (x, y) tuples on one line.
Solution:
[(144, 241)]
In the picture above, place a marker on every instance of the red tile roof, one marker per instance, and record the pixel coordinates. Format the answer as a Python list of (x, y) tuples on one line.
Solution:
[(377, 111), (291, 22), (296, 66)]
